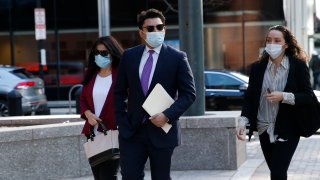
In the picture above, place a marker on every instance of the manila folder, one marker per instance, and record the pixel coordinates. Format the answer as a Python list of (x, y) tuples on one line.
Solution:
[(158, 101)]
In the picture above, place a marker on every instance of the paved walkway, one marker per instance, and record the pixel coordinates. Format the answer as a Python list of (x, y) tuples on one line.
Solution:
[(305, 165)]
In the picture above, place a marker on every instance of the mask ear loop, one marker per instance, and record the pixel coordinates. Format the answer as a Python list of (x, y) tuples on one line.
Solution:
[(285, 47), (145, 40), (143, 33)]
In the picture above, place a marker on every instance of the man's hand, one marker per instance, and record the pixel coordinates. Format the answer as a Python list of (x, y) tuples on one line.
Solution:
[(159, 119)]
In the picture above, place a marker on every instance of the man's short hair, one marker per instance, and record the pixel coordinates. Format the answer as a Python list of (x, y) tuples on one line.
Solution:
[(150, 13)]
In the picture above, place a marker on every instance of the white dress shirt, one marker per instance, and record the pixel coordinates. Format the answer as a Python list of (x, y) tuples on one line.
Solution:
[(144, 58)]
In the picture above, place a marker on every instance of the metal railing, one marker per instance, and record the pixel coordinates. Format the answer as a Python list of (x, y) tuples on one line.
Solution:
[(70, 91)]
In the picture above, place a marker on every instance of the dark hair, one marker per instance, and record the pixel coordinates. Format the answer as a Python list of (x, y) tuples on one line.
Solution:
[(114, 49), (150, 13), (294, 49)]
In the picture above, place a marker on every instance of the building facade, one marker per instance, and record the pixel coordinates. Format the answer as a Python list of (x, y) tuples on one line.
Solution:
[(234, 32)]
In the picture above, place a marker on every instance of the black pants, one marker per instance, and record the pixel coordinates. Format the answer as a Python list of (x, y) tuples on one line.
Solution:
[(106, 171), (315, 80), (278, 155), (135, 152)]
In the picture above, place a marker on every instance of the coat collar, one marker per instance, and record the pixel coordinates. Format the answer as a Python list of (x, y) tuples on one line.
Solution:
[(289, 64)]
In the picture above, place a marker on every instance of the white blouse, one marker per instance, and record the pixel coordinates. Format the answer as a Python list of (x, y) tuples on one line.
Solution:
[(100, 92)]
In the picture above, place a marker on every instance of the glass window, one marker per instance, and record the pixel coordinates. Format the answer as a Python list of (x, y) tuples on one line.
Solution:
[(221, 81), (243, 77), (22, 73)]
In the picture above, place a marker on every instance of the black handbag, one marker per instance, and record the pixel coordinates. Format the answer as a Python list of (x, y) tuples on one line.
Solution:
[(103, 147), (309, 118)]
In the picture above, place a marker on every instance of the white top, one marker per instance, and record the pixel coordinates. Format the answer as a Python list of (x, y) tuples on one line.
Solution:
[(100, 91), (144, 58), (275, 81)]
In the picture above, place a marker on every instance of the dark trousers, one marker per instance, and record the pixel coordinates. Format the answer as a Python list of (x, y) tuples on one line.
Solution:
[(278, 155), (107, 170), (135, 152), (315, 80)]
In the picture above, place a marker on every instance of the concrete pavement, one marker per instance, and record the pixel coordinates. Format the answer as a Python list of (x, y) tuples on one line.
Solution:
[(305, 165)]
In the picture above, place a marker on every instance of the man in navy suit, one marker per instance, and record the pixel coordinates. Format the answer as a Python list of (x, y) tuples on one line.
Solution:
[(141, 136)]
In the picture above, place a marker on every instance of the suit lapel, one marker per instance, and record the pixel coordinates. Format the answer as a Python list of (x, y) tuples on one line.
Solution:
[(260, 75), (290, 79), (136, 59), (109, 97), (90, 89)]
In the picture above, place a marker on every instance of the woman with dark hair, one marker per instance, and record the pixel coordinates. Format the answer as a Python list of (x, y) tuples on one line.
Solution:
[(96, 100), (279, 85)]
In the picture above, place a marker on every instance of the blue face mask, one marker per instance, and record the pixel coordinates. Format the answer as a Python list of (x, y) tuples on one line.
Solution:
[(102, 61), (155, 39)]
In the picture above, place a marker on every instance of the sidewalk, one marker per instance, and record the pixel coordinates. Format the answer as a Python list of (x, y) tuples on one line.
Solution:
[(305, 165)]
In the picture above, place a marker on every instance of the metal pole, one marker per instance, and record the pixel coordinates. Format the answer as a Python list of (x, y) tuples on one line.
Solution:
[(77, 97), (243, 40), (56, 35), (11, 32), (104, 17), (191, 41), (40, 44)]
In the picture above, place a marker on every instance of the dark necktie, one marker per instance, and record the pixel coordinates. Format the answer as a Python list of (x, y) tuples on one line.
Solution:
[(145, 76)]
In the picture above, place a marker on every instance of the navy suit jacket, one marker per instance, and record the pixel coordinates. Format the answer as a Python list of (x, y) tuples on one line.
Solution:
[(298, 83), (173, 73)]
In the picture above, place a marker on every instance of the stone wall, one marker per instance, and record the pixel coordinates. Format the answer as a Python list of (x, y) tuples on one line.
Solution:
[(209, 143), (55, 151), (42, 152)]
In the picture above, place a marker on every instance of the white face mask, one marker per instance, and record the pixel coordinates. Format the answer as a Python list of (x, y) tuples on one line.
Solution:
[(155, 39), (274, 50)]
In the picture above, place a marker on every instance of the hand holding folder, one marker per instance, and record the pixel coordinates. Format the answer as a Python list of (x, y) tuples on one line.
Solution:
[(158, 101)]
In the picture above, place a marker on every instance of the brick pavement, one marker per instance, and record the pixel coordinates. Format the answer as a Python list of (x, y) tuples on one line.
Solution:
[(305, 164)]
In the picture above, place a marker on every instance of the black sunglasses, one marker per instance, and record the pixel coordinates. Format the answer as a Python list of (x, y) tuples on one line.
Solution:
[(103, 53), (151, 28)]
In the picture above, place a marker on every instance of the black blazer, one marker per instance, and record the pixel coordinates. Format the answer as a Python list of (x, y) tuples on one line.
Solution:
[(298, 83), (173, 73)]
